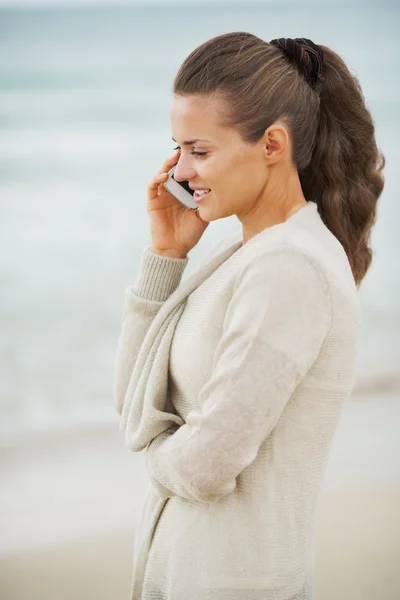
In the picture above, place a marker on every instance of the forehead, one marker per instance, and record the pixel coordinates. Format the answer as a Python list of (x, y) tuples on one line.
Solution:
[(197, 116)]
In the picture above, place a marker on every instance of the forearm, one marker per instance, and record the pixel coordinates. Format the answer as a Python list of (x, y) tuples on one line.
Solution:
[(158, 278)]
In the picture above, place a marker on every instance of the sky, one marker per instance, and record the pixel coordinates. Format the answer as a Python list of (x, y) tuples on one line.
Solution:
[(118, 2), (60, 3)]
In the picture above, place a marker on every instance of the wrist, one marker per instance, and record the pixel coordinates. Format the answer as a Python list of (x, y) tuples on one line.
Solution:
[(169, 253)]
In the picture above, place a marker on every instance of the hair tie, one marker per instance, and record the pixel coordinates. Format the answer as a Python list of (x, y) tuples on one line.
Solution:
[(308, 56)]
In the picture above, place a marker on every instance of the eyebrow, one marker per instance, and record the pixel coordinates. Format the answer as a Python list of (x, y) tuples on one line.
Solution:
[(190, 142)]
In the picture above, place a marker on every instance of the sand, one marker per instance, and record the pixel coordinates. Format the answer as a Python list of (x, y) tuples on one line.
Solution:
[(70, 502)]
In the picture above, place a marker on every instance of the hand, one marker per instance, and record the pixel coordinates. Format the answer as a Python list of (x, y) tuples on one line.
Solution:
[(175, 229)]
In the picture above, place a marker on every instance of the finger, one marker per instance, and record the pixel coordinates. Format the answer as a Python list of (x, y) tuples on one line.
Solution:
[(155, 182), (170, 162)]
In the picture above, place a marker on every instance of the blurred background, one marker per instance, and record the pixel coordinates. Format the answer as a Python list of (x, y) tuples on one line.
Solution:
[(85, 90)]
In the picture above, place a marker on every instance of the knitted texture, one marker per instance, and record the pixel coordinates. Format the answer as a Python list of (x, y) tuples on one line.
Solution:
[(234, 381)]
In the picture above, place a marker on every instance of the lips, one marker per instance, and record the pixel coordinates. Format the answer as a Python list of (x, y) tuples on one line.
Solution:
[(199, 197), (196, 188)]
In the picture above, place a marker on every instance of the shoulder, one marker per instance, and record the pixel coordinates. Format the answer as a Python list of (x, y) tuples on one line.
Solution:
[(285, 278), (284, 262), (281, 292)]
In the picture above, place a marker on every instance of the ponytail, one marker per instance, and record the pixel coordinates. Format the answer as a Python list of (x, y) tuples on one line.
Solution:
[(344, 175)]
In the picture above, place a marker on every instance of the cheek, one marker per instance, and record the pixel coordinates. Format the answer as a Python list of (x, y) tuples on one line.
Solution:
[(213, 172), (239, 176), (225, 171), (234, 174), (243, 182)]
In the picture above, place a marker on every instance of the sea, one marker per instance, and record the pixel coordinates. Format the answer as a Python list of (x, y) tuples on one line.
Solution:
[(84, 124)]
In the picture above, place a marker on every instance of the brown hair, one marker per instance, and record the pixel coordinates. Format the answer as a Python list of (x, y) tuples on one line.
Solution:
[(332, 131)]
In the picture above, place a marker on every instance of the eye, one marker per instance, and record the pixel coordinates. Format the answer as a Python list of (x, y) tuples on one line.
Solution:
[(194, 153)]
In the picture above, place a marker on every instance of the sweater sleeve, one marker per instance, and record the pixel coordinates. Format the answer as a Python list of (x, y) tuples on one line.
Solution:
[(274, 327), (158, 278)]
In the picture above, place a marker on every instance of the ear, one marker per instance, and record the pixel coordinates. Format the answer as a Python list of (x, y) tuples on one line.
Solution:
[(276, 143)]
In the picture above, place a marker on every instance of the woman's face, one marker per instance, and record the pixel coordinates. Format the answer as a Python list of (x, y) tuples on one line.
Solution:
[(234, 170)]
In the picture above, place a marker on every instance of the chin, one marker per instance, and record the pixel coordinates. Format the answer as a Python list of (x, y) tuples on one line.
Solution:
[(207, 213), (209, 216)]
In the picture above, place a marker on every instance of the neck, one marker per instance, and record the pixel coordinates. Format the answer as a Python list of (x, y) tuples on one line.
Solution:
[(273, 206)]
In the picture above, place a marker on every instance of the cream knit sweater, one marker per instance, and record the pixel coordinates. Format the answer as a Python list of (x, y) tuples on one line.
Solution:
[(234, 381)]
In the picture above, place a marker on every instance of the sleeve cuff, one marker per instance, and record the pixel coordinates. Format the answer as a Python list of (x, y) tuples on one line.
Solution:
[(159, 276)]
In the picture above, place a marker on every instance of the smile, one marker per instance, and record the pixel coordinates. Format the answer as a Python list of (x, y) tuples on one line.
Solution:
[(199, 195)]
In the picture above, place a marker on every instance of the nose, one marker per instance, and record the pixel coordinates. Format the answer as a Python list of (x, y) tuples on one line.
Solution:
[(183, 170)]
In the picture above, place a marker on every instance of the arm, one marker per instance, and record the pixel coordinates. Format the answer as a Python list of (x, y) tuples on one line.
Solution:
[(274, 327), (158, 278)]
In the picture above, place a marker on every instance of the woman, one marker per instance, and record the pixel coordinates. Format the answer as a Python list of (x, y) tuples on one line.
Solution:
[(234, 380)]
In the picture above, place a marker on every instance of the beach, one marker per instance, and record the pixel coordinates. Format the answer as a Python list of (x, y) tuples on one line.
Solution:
[(71, 500), (84, 125)]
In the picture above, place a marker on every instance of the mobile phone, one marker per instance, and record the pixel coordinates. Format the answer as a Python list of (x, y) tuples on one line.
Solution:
[(180, 190)]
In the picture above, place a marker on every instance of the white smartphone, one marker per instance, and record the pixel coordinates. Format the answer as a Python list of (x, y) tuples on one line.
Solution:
[(180, 190)]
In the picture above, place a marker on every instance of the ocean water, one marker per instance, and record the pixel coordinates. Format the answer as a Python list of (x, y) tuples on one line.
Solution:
[(84, 124)]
